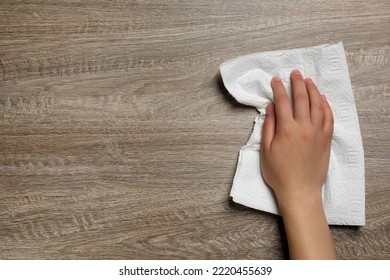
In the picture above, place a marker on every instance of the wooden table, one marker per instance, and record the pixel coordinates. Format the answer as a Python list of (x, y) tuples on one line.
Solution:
[(119, 141)]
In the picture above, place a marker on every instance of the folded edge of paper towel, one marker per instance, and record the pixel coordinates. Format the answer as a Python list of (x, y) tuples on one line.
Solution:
[(343, 191)]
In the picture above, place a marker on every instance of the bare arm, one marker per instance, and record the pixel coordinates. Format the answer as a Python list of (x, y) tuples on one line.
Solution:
[(295, 149)]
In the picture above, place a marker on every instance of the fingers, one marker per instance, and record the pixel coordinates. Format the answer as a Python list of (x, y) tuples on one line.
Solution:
[(328, 122), (269, 124), (282, 102), (300, 97), (309, 106), (316, 103)]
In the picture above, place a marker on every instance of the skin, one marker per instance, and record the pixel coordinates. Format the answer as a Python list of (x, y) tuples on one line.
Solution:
[(295, 151)]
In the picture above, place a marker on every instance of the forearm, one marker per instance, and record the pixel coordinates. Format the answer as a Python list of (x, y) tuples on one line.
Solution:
[(307, 229)]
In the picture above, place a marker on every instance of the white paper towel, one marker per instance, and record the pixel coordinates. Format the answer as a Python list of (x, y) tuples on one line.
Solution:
[(248, 79)]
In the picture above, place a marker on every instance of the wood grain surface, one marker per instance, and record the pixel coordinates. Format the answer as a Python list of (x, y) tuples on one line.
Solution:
[(119, 141)]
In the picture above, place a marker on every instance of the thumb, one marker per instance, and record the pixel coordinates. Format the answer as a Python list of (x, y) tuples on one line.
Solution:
[(268, 132)]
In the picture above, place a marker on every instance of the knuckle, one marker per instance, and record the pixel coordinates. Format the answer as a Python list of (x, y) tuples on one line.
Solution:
[(328, 131), (286, 132), (317, 106), (300, 96), (307, 134)]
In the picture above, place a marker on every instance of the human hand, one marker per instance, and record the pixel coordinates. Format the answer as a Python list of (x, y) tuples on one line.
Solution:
[(295, 150), (295, 144)]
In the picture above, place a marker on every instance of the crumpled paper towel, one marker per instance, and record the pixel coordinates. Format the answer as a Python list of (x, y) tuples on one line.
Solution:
[(247, 79)]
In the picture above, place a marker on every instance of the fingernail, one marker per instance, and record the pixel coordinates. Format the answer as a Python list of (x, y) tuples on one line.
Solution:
[(323, 97), (276, 79), (296, 72), (309, 81)]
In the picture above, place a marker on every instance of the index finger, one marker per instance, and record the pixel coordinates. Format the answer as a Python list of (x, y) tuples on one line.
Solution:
[(282, 102)]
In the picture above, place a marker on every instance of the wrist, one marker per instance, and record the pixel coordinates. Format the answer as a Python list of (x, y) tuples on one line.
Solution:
[(306, 225), (307, 199)]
